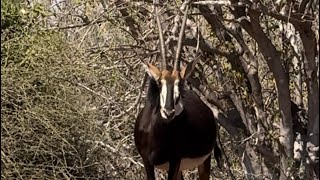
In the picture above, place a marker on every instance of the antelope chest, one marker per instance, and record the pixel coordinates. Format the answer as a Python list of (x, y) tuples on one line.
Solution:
[(186, 163)]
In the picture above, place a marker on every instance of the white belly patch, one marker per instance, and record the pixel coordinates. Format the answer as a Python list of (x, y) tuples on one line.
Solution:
[(186, 163)]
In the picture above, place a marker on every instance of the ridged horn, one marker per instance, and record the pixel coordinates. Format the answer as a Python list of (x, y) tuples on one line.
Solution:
[(181, 37), (164, 63)]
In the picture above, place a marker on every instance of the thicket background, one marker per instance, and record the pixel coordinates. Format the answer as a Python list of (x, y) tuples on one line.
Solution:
[(72, 84)]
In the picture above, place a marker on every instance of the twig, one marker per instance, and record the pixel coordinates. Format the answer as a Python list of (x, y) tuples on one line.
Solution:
[(143, 83), (226, 157), (221, 2), (85, 87), (85, 34), (247, 139), (94, 92), (114, 150), (76, 25)]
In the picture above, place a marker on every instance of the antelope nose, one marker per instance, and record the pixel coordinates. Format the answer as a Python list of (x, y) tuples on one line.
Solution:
[(169, 113)]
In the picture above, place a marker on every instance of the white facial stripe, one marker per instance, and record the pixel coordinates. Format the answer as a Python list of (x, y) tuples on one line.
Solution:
[(163, 96), (176, 92), (163, 93)]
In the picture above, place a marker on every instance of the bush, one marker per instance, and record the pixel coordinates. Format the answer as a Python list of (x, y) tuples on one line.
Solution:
[(48, 128)]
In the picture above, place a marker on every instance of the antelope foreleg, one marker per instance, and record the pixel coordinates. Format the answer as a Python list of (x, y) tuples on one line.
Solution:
[(174, 172), (149, 168)]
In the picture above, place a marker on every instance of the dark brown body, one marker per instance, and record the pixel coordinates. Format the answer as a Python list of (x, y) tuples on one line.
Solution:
[(191, 134)]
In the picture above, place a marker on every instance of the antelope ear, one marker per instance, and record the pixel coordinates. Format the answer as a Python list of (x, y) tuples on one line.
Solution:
[(152, 71), (187, 70)]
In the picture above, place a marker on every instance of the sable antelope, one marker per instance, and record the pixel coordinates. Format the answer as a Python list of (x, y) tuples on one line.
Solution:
[(175, 130)]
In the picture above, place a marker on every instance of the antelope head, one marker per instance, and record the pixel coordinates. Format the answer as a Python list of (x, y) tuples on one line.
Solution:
[(170, 82)]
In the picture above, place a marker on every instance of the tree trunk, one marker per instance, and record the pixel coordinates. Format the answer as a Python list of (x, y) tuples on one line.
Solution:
[(311, 79), (272, 57)]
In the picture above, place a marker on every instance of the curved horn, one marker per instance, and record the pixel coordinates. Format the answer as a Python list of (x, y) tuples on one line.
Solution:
[(162, 47), (181, 37)]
